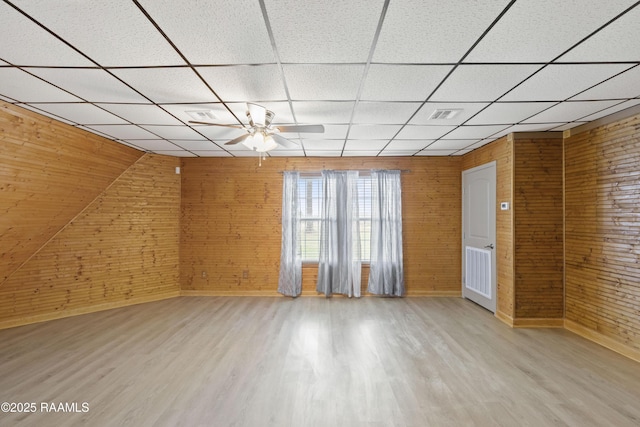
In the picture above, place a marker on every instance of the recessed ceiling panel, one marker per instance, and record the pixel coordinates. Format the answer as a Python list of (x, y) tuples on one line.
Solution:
[(323, 31), (141, 114), (217, 133), (517, 37), (173, 132), (92, 85), (570, 111), (559, 82), (417, 31), (474, 132), (175, 153), (618, 41), (366, 144), (196, 145), (112, 33), (397, 153), (612, 110), (325, 144), (167, 85), (82, 113), (21, 86), (540, 127), (466, 110), (429, 152), (154, 144), (221, 32), (402, 82), (384, 112), (323, 82), (220, 113), (481, 82), (323, 153), (26, 43), (508, 112), (623, 86), (424, 132), (330, 132), (347, 153), (451, 144), (323, 112), (408, 144), (373, 131), (124, 132), (242, 83)]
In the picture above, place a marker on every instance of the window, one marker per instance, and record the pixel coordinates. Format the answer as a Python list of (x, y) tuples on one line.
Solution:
[(310, 203)]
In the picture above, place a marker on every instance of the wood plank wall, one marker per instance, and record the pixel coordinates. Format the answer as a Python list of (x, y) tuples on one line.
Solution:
[(86, 222), (231, 223), (602, 232), (49, 171), (538, 228), (501, 151)]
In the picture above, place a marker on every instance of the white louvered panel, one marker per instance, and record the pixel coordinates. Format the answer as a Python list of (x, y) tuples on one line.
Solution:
[(478, 270)]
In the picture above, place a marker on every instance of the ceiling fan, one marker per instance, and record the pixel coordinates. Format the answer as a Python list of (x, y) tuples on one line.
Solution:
[(261, 136)]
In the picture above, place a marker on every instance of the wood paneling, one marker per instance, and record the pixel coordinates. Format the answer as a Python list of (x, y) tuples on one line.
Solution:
[(49, 172), (501, 151), (231, 213), (538, 226), (122, 247), (602, 231)]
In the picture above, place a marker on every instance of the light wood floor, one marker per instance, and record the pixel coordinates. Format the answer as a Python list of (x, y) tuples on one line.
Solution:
[(312, 362)]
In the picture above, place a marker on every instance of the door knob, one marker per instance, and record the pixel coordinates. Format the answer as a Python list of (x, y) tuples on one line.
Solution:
[(489, 246)]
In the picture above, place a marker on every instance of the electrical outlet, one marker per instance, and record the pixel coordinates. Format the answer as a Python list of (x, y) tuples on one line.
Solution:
[(245, 274), (204, 274)]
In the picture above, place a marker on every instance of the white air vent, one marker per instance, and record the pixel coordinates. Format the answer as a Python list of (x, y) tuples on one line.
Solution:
[(201, 115), (444, 114)]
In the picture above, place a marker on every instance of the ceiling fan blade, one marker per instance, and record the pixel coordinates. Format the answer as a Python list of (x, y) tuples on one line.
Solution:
[(238, 139), (281, 140), (258, 113), (216, 124), (301, 128)]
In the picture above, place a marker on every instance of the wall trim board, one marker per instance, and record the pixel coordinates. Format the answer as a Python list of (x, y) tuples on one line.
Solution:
[(309, 294), (538, 323), (38, 318), (603, 121), (505, 318), (601, 339), (72, 220)]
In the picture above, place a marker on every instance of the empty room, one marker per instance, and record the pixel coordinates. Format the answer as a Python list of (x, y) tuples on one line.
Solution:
[(319, 213)]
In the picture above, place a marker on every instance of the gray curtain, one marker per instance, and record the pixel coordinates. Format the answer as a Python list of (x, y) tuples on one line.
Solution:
[(339, 264), (290, 280), (386, 274)]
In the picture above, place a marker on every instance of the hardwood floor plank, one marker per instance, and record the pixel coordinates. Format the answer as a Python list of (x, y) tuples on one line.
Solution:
[(252, 361)]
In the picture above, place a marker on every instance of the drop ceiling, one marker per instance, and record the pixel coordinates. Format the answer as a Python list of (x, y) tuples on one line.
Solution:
[(373, 72)]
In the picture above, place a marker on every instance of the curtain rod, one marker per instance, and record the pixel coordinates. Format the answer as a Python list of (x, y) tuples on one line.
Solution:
[(355, 170)]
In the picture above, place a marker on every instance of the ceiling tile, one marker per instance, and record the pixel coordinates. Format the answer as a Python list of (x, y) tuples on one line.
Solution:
[(167, 85), (218, 133), (408, 144), (373, 131), (330, 132), (481, 82), (154, 144), (211, 153), (141, 114), (566, 126), (319, 29), (21, 86), (323, 112), (611, 110), (517, 37), (424, 132), (402, 82), (559, 82), (26, 43), (323, 82), (366, 145), (429, 152), (242, 83), (451, 144), (384, 112), (618, 41), (325, 144), (570, 111), (81, 113), (36, 109), (474, 132), (125, 132), (191, 145), (173, 132), (286, 153), (323, 153), (397, 153), (229, 32), (623, 86), (417, 31), (360, 153), (113, 33), (93, 85), (539, 127), (467, 110), (509, 112), (281, 109), (222, 115), (181, 153)]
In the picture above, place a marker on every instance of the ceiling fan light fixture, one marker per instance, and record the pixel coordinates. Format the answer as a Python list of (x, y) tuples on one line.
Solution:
[(260, 142)]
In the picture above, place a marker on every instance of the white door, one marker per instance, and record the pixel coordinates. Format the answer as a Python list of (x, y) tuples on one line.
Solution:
[(479, 235)]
